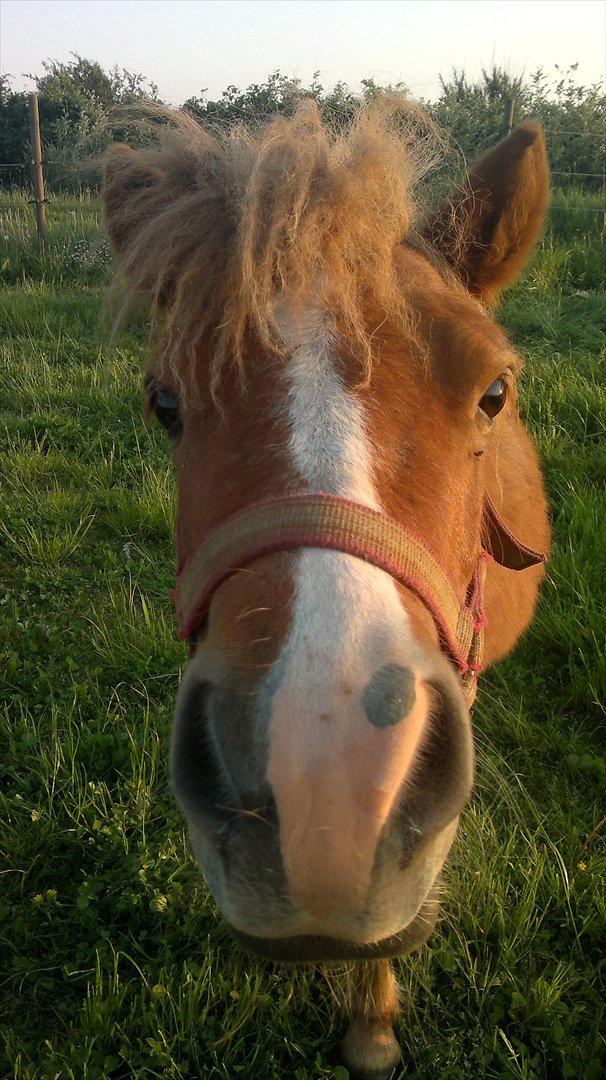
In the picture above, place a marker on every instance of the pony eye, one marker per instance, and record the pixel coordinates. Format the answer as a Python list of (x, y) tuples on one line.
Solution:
[(166, 408), (493, 400)]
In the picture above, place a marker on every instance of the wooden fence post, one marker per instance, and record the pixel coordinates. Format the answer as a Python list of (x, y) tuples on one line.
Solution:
[(508, 110), (40, 201)]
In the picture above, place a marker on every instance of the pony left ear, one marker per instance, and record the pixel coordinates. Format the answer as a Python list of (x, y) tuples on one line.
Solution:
[(129, 193), (488, 228)]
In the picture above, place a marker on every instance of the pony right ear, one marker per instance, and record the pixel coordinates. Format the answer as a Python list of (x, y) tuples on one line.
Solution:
[(130, 194), (488, 228)]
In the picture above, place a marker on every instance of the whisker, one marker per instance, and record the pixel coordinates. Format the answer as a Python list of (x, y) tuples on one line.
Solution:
[(251, 611), (243, 812)]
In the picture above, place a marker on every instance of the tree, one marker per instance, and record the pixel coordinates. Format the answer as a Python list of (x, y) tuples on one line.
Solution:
[(80, 114), (77, 101), (14, 133), (571, 114), (280, 95)]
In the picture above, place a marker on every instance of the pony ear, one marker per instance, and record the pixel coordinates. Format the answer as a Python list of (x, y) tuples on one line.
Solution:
[(488, 228), (128, 183)]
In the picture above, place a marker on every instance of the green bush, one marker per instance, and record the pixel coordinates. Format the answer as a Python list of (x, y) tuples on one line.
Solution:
[(572, 116), (79, 102)]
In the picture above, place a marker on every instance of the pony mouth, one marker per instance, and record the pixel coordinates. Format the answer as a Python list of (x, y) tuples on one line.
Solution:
[(311, 948)]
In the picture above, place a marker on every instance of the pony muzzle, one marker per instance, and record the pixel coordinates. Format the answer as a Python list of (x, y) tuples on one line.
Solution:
[(335, 794)]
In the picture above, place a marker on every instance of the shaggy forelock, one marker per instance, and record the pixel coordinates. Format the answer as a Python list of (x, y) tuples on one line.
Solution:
[(213, 228)]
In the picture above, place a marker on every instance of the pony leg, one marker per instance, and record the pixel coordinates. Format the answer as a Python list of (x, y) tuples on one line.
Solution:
[(369, 1048)]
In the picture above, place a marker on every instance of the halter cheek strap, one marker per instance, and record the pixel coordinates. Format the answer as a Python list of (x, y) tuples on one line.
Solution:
[(290, 522)]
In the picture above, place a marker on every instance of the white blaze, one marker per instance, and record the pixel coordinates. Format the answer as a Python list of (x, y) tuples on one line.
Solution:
[(333, 773), (339, 599), (328, 441)]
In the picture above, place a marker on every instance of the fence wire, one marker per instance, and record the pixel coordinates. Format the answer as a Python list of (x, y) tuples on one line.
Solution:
[(88, 164)]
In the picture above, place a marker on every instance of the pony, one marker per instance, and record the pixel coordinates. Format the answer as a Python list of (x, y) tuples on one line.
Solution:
[(361, 522)]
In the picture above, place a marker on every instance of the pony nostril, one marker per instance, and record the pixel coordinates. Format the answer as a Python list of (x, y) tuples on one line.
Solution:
[(212, 774), (198, 778), (443, 772)]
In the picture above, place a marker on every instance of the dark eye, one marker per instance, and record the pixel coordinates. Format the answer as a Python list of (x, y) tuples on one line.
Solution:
[(494, 399), (166, 408)]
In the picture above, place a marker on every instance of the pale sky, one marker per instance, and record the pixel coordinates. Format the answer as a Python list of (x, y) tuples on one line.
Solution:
[(187, 45)]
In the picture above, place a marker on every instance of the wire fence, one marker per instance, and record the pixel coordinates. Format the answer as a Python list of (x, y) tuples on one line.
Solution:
[(90, 165), (84, 164)]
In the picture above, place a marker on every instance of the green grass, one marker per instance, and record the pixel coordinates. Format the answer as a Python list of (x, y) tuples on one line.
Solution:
[(113, 962)]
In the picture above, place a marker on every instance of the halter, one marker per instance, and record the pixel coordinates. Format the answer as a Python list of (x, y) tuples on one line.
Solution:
[(290, 522)]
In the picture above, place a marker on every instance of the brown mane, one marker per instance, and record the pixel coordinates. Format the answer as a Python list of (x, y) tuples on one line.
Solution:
[(211, 228)]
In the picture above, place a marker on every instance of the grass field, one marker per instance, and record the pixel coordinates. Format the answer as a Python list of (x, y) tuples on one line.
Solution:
[(113, 963)]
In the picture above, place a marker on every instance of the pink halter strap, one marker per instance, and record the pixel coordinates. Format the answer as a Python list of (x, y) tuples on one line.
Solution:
[(290, 522)]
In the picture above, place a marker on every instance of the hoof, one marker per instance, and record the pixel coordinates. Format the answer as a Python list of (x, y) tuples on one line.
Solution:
[(371, 1053)]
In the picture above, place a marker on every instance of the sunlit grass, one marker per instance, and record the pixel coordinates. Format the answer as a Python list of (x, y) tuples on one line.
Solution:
[(113, 962)]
